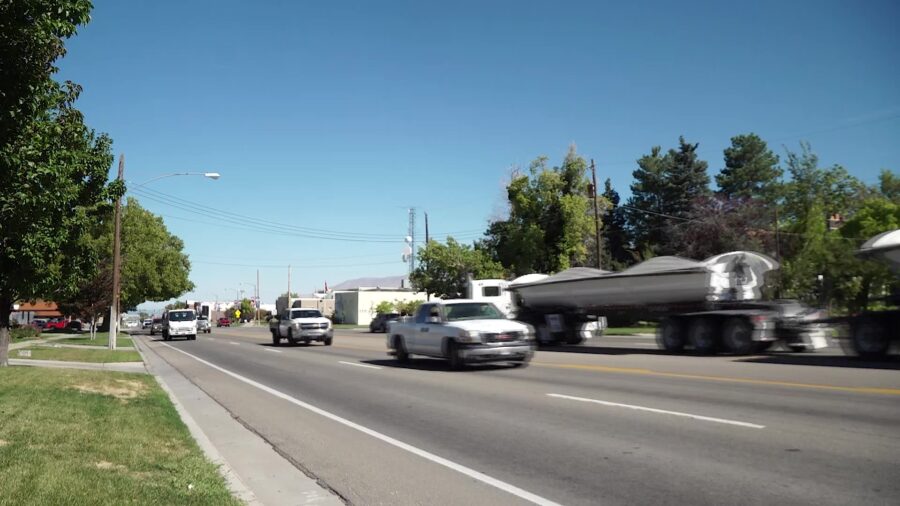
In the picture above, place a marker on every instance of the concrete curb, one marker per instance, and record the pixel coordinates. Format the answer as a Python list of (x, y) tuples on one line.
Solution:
[(235, 485), (133, 367)]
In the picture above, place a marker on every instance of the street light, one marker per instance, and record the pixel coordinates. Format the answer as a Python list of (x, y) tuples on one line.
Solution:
[(117, 244)]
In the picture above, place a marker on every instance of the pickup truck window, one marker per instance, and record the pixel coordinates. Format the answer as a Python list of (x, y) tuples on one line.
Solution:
[(305, 313), (473, 311), (422, 315)]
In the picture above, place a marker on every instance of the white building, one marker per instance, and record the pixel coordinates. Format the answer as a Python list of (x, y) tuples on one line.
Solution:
[(357, 306)]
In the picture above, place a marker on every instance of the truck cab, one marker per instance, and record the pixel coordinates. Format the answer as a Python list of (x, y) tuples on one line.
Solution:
[(180, 323)]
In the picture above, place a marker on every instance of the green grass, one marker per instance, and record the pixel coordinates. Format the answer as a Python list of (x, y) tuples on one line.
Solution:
[(629, 331), (92, 437), (349, 326), (102, 339), (76, 355)]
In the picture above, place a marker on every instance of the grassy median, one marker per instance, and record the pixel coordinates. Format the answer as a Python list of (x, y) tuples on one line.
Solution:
[(91, 437), (629, 331), (76, 355)]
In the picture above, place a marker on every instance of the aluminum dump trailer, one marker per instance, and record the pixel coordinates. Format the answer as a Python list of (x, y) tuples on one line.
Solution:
[(710, 305), (872, 334)]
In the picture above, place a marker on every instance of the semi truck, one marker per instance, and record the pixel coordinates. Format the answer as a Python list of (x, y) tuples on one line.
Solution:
[(873, 333), (708, 306)]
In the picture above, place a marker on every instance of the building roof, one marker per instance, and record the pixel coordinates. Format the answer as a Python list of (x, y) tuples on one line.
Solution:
[(384, 283)]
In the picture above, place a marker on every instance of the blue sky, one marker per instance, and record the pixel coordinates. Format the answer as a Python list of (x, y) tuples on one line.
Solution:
[(339, 116)]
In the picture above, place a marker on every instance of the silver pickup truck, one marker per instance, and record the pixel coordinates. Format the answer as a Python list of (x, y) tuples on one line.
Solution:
[(301, 325), (462, 331)]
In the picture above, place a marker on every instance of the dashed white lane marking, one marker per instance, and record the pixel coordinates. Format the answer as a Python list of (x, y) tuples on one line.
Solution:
[(367, 366), (273, 351), (477, 475), (660, 411)]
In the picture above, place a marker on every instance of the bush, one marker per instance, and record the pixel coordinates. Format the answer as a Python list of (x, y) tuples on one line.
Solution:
[(24, 332)]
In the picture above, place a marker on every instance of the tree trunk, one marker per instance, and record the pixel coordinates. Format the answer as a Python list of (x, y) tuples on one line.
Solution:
[(5, 310)]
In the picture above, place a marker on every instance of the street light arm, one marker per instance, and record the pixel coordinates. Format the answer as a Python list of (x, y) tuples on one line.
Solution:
[(210, 175)]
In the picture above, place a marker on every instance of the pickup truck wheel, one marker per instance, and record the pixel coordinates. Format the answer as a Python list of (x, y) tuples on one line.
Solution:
[(738, 335), (327, 341), (702, 335), (454, 357), (400, 350), (291, 336), (276, 341)]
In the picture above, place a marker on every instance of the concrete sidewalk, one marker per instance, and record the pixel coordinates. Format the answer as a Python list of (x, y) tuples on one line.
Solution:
[(255, 472)]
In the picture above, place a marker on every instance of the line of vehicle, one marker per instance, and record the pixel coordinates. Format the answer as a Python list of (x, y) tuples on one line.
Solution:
[(467, 471), (367, 366), (660, 411)]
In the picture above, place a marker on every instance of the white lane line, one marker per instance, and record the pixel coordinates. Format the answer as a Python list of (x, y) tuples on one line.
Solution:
[(367, 366), (659, 411), (270, 349), (488, 480), (232, 342)]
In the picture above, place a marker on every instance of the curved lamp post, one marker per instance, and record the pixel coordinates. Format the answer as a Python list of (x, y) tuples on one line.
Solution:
[(117, 245)]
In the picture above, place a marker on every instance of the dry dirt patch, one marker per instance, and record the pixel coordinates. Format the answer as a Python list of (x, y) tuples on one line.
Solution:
[(120, 389), (109, 465)]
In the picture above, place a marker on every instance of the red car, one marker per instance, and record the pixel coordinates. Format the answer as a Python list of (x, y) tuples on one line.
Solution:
[(56, 324), (223, 322)]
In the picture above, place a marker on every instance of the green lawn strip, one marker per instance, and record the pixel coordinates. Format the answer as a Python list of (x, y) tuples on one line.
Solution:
[(96, 437), (629, 331), (349, 326), (102, 339), (76, 355)]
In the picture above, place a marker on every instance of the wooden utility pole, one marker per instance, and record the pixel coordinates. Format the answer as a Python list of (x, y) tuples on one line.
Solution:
[(117, 261), (257, 296), (596, 211), (427, 237)]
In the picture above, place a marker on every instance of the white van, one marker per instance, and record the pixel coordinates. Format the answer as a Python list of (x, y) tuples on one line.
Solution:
[(180, 323)]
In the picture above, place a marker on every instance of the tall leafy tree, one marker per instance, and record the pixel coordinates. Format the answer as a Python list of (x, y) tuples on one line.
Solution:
[(875, 216), (443, 269), (154, 267), (549, 223), (616, 241), (889, 186), (53, 167), (833, 188), (719, 224), (686, 179), (751, 170)]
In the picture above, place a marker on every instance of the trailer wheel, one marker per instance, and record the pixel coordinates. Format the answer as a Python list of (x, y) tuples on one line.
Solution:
[(737, 335), (670, 335), (702, 335), (870, 338)]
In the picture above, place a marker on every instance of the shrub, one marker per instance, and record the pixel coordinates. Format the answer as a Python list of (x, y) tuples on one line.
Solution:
[(24, 332)]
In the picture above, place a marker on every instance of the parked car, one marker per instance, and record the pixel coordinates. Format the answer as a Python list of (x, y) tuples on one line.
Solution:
[(223, 322), (74, 326), (56, 324), (381, 321), (156, 327), (39, 323), (203, 325)]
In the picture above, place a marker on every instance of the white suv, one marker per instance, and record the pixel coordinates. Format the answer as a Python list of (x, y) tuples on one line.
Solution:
[(180, 323)]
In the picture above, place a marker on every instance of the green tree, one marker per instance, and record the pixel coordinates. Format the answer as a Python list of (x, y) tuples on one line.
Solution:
[(53, 167), (834, 189), (751, 170), (874, 217), (247, 310), (176, 305), (663, 194), (614, 232), (443, 269), (154, 268), (889, 186), (385, 307), (408, 307), (549, 221)]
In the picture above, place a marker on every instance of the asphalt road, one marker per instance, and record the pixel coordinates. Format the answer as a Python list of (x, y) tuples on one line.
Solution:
[(613, 422)]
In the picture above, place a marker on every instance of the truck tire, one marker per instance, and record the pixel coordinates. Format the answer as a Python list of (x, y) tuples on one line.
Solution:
[(670, 335), (574, 338), (327, 341), (400, 352), (166, 336), (454, 358), (290, 337), (276, 340), (869, 337), (737, 335), (702, 335)]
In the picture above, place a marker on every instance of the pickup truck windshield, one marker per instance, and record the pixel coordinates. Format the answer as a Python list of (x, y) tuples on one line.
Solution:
[(182, 316), (473, 311), (305, 313)]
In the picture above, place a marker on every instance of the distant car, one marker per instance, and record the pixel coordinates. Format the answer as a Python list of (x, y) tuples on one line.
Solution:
[(147, 323), (74, 326), (203, 324), (156, 327), (381, 320), (56, 324), (39, 323), (223, 322)]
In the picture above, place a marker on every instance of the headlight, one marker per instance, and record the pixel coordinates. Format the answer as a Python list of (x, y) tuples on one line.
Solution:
[(529, 332), (469, 336)]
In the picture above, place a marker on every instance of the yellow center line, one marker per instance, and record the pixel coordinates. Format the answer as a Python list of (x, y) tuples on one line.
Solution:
[(650, 372)]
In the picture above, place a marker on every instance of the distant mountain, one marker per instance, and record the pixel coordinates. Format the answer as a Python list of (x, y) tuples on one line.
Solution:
[(400, 281)]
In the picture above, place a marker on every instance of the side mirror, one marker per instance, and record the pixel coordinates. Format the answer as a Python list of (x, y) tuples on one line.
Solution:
[(433, 319)]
